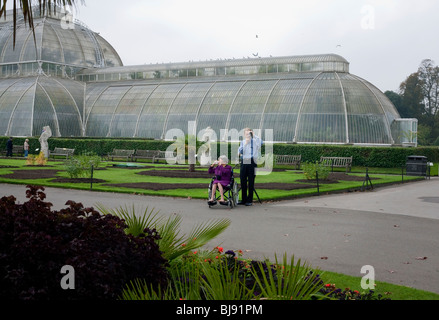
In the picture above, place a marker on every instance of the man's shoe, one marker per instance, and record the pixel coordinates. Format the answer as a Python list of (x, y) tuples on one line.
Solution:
[(240, 203), (248, 204)]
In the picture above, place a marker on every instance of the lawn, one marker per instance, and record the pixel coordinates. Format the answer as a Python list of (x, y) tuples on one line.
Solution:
[(290, 183)]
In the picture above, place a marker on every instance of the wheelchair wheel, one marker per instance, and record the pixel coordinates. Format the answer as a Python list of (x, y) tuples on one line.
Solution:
[(235, 194), (209, 191)]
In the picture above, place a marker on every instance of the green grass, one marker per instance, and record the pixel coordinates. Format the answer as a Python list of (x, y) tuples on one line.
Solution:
[(392, 291), (114, 175)]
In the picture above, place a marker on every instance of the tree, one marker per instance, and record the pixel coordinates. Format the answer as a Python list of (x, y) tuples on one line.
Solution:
[(419, 98), (429, 77), (412, 97), (26, 9), (397, 102)]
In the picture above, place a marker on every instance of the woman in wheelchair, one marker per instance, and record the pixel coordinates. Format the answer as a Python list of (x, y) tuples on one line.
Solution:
[(223, 176)]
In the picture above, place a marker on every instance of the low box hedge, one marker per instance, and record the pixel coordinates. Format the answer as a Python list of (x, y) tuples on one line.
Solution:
[(380, 157)]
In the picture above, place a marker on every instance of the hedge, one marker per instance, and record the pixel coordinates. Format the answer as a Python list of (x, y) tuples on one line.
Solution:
[(384, 157)]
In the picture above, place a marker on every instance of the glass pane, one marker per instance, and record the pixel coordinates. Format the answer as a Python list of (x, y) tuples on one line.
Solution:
[(101, 115), (249, 104), (155, 110)]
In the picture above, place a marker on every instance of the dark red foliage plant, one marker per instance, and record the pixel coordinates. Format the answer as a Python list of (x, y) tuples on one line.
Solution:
[(36, 242)]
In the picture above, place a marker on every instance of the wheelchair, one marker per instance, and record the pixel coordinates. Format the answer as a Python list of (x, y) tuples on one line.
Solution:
[(231, 193)]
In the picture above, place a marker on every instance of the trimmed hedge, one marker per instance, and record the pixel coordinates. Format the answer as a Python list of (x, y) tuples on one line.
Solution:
[(384, 157), (380, 157)]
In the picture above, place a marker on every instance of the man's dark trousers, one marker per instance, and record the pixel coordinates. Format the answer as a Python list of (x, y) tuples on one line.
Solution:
[(247, 175)]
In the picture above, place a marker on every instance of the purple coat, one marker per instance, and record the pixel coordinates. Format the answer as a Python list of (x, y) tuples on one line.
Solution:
[(223, 174)]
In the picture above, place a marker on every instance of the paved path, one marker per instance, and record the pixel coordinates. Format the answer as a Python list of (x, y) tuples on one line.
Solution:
[(394, 229)]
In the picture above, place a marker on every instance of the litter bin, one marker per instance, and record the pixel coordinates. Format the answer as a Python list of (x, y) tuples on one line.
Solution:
[(416, 166)]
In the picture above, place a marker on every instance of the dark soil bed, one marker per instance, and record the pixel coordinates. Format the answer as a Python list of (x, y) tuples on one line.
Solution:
[(32, 174), (51, 173), (77, 180), (47, 174), (178, 173), (334, 177)]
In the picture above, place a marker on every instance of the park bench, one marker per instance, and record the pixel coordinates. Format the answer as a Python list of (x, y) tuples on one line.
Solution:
[(146, 154), (337, 162), (170, 156), (17, 150), (121, 154), (62, 152), (154, 155), (288, 159)]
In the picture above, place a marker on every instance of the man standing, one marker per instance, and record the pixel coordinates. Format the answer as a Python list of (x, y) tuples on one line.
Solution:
[(248, 151), (9, 147), (26, 148)]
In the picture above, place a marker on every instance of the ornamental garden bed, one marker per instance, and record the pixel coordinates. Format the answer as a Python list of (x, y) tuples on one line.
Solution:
[(177, 181)]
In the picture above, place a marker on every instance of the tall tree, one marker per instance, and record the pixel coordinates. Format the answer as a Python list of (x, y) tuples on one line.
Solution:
[(397, 102), (412, 97), (419, 95), (26, 9), (429, 76)]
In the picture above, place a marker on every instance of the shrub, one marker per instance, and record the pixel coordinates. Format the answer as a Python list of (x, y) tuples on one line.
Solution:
[(40, 159), (36, 242), (213, 276), (330, 291), (310, 169), (80, 166)]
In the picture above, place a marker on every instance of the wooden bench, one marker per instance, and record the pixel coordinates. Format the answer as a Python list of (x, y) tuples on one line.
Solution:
[(288, 159), (154, 155), (165, 155), (146, 154), (16, 149), (337, 162), (63, 152), (121, 154)]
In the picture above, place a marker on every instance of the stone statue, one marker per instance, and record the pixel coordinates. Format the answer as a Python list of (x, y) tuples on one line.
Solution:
[(206, 151), (45, 135)]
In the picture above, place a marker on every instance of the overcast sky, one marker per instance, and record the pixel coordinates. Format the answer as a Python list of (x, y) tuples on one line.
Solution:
[(384, 40)]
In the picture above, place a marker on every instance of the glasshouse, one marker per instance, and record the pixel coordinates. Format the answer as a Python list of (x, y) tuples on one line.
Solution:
[(73, 80)]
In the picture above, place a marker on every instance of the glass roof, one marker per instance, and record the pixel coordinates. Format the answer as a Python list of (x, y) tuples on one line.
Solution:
[(76, 45), (320, 107), (28, 104)]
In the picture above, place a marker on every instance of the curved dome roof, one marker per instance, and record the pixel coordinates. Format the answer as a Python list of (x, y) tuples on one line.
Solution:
[(28, 104), (302, 107), (57, 41)]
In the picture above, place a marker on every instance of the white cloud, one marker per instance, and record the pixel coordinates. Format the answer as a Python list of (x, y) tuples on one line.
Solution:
[(153, 31)]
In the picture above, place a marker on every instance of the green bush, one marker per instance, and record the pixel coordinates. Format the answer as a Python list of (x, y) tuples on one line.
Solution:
[(36, 242), (80, 166), (380, 157), (311, 168)]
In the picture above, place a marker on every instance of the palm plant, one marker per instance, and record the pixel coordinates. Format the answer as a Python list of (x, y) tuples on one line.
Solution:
[(183, 284), (26, 9), (171, 242), (216, 279), (288, 281)]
